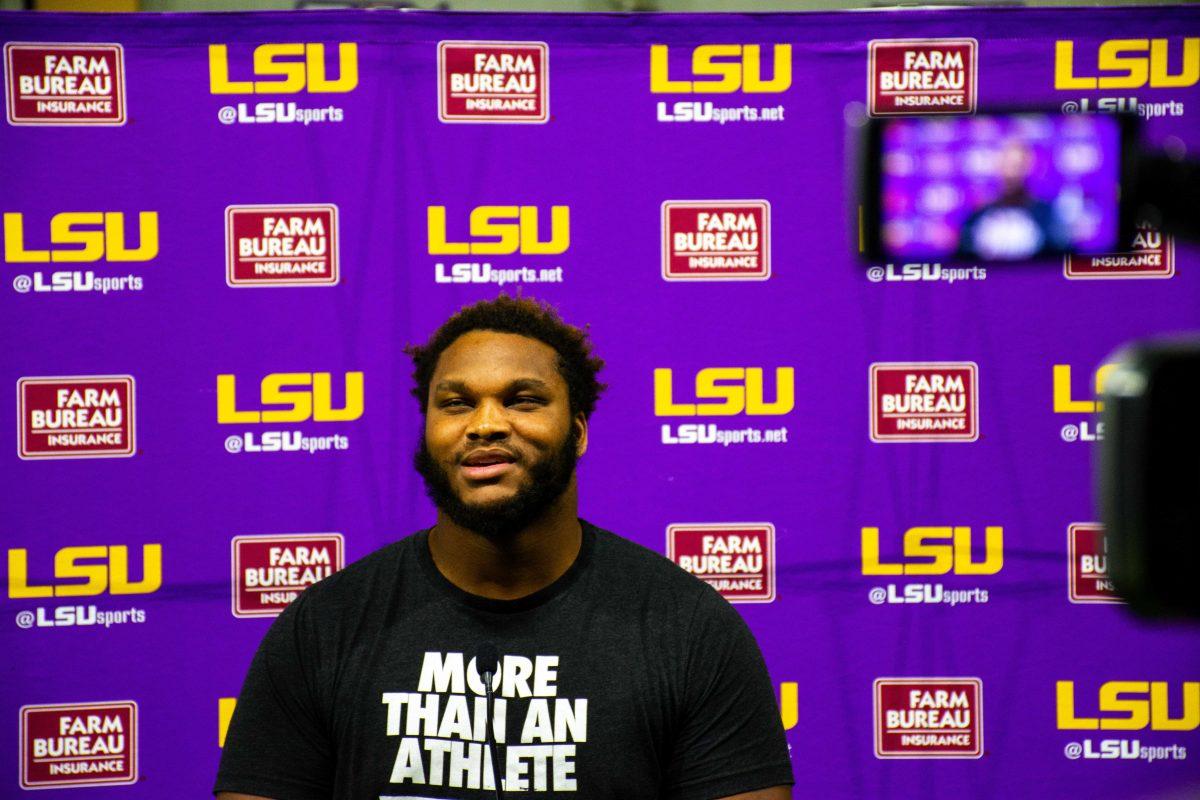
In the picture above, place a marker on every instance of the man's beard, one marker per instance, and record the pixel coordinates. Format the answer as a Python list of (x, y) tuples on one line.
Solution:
[(500, 520)]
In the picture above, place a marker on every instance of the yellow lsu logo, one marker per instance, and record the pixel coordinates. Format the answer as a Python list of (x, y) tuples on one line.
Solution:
[(789, 704), (1129, 64), (110, 572), (1130, 706), (943, 550), (92, 236), (503, 230), (734, 390), (1065, 403), (305, 395), (294, 76), (740, 69), (225, 707)]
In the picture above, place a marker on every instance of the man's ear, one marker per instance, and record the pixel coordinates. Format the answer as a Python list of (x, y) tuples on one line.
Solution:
[(581, 429)]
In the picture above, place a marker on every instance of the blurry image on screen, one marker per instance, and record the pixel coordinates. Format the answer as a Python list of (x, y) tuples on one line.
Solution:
[(1000, 188)]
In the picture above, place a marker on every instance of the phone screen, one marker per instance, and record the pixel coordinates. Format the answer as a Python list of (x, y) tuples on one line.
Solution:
[(999, 187)]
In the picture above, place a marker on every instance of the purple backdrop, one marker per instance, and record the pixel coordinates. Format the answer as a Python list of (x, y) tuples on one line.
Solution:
[(611, 127)]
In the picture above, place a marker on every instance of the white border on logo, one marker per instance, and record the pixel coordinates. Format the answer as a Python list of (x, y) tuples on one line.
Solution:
[(100, 781), (1168, 259), (236, 566), (1072, 586), (674, 527), (334, 246), (21, 432), (971, 365), (976, 682), (10, 100), (972, 95), (543, 84), (664, 226)]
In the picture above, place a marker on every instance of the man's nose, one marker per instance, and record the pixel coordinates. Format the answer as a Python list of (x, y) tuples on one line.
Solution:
[(488, 422)]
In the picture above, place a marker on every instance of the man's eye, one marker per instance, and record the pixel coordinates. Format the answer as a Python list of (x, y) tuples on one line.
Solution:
[(524, 399), (453, 402)]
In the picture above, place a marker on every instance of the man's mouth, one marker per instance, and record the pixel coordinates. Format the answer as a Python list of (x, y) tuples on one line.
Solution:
[(485, 464)]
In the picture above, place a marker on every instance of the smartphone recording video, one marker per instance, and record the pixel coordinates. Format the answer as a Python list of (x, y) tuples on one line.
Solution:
[(997, 187)]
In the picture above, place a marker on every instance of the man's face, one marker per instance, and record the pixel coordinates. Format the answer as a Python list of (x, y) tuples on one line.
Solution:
[(500, 444), (1016, 162)]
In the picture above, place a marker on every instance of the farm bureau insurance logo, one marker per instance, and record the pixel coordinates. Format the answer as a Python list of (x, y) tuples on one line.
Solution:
[(1127, 64), (921, 76), (86, 416), (1152, 255), (1088, 578), (731, 391), (64, 84), (720, 69), (1145, 706), (281, 245), (493, 82), (104, 570), (928, 718), (282, 69), (289, 397), (1065, 402), (735, 558), (79, 744), (80, 237), (500, 231), (271, 571), (935, 401), (716, 240), (932, 551)]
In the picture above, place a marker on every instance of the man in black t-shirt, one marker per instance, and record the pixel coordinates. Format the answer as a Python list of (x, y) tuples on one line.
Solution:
[(620, 676), (1015, 225)]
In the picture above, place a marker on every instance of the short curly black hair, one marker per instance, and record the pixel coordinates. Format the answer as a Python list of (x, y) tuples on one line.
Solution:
[(526, 317)]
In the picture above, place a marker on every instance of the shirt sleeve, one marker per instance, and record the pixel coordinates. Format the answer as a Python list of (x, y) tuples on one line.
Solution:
[(278, 744), (730, 738)]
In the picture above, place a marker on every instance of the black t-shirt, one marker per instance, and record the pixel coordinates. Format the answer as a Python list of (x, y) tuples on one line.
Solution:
[(626, 678)]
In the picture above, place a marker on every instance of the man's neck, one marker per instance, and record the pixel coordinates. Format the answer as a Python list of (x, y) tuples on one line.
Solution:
[(529, 560)]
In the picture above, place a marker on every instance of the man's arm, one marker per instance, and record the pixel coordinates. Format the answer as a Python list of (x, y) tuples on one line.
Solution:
[(772, 793), (278, 745), (730, 736)]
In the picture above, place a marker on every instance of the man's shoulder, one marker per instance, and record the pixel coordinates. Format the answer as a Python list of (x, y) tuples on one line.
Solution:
[(645, 589), (637, 566), (357, 582)]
